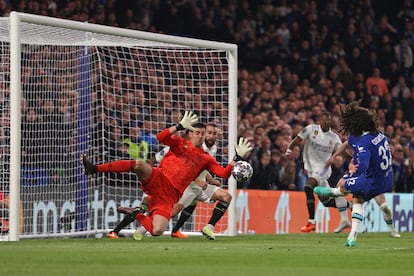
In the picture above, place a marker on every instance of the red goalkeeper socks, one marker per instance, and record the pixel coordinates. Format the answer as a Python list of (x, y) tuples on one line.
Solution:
[(145, 221), (117, 166)]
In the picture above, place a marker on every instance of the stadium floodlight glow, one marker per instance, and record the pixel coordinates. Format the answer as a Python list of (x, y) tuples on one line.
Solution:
[(79, 87)]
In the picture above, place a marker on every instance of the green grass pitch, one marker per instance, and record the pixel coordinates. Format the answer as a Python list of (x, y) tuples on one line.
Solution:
[(294, 254)]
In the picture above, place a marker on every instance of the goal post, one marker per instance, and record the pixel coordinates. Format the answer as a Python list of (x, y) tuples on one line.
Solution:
[(79, 87)]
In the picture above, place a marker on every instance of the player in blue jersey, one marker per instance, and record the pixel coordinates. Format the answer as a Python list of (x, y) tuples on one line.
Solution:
[(370, 173), (346, 149)]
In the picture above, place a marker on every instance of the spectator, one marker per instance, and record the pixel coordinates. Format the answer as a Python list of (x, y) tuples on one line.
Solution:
[(399, 169), (317, 69), (137, 148), (410, 172), (376, 81), (264, 177), (400, 91), (404, 55)]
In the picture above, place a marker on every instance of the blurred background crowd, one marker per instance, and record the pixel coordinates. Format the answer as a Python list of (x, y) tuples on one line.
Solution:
[(296, 60)]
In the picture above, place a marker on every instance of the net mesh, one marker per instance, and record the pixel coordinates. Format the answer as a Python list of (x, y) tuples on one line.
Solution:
[(106, 96)]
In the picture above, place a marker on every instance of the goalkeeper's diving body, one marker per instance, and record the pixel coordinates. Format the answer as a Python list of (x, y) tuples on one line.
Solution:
[(166, 183), (205, 189)]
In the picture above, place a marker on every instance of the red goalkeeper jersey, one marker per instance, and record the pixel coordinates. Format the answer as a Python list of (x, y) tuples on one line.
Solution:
[(184, 162)]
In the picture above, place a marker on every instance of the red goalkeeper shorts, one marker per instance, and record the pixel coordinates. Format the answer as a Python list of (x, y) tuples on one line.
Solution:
[(162, 194)]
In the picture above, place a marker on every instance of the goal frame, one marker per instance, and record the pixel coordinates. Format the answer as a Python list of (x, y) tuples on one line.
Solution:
[(16, 18)]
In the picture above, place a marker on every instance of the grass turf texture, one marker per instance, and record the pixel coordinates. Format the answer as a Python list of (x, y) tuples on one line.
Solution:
[(294, 254)]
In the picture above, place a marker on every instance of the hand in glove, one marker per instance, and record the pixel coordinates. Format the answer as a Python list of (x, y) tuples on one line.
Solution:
[(242, 149), (188, 119)]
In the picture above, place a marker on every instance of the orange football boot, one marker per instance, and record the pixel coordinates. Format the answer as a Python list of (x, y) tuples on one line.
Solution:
[(309, 227), (112, 235), (179, 235)]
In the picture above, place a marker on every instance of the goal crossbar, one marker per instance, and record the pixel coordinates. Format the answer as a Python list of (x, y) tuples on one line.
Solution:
[(160, 40)]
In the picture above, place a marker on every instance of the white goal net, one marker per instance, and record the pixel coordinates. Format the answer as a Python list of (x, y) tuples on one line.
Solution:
[(102, 91)]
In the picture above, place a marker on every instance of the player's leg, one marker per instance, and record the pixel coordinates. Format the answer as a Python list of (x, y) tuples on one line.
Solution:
[(184, 216), (130, 216), (177, 209), (115, 166), (358, 187), (155, 225), (342, 205), (338, 191), (128, 219), (186, 206), (380, 199), (141, 168), (310, 203), (357, 218), (163, 197), (339, 203), (224, 199), (140, 231), (159, 225)]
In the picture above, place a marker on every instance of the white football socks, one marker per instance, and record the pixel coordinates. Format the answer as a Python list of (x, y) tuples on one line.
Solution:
[(357, 218), (341, 204)]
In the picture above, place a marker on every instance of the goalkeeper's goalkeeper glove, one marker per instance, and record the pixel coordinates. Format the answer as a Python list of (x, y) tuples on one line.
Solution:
[(243, 148), (188, 119)]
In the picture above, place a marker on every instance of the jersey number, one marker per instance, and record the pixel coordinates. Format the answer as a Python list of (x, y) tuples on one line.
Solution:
[(386, 158)]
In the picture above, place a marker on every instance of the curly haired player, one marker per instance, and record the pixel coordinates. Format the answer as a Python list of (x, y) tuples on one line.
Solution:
[(370, 174), (347, 150)]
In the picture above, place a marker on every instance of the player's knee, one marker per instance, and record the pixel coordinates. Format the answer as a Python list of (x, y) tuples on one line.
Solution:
[(226, 198), (158, 230), (221, 195), (312, 182)]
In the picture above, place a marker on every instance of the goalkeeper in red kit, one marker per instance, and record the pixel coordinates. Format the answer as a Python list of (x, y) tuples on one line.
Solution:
[(182, 164)]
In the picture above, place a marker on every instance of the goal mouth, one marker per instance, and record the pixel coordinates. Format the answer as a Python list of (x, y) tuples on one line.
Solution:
[(71, 88)]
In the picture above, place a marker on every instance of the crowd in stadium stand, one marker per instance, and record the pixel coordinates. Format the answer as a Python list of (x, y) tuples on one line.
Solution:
[(296, 60)]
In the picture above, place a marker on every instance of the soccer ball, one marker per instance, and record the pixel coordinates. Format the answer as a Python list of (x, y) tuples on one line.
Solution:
[(242, 171)]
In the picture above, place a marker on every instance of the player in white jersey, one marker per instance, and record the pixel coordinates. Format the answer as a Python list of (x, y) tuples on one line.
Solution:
[(320, 143)]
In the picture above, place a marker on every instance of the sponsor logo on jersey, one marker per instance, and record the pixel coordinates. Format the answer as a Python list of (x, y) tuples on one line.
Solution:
[(361, 149)]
